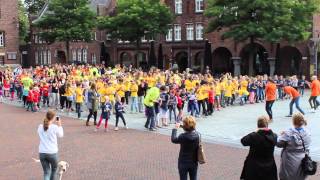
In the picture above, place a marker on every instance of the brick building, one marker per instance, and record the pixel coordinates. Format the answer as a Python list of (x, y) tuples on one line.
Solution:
[(9, 33), (184, 44)]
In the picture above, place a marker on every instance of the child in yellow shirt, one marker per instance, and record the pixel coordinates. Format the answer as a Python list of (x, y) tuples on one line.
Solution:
[(134, 95)]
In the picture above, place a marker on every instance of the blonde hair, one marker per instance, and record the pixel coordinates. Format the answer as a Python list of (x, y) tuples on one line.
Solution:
[(263, 122), (49, 116), (189, 123), (298, 120)]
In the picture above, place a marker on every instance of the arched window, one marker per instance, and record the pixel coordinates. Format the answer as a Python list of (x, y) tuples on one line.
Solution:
[(49, 57), (36, 57), (79, 55), (74, 55), (45, 57), (85, 55)]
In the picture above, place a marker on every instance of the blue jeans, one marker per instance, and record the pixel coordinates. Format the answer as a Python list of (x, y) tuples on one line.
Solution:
[(188, 168), (140, 103), (134, 103), (295, 101), (49, 164), (150, 117)]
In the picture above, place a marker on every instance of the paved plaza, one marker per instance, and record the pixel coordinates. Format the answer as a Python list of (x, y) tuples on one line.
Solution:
[(136, 153)]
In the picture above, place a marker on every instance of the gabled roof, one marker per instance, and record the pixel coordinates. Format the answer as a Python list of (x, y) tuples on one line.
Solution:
[(93, 5)]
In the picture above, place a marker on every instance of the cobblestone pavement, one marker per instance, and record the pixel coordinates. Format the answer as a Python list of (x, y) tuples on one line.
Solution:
[(126, 154)]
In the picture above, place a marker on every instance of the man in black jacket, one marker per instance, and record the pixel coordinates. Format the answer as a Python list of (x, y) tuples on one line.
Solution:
[(260, 163)]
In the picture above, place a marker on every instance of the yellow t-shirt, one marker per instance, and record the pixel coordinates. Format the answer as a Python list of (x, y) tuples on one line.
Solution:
[(120, 90), (228, 91), (110, 91), (102, 92), (218, 89), (79, 95), (134, 90), (188, 85)]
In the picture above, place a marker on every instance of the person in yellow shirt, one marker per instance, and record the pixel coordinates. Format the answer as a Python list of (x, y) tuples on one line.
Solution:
[(188, 84), (127, 85), (110, 92), (228, 93), (69, 95), (134, 95), (79, 99), (120, 88), (217, 97), (201, 96)]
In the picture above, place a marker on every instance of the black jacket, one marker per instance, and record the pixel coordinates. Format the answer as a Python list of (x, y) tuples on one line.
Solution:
[(189, 143), (260, 163)]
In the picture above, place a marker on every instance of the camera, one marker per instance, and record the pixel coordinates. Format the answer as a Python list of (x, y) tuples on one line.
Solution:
[(57, 118)]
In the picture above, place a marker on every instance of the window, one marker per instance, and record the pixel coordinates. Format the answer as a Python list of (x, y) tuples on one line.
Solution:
[(93, 58), (12, 55), (45, 57), (40, 57), (79, 55), (178, 6), (108, 36), (49, 57), (199, 31), (190, 32), (177, 32), (199, 5), (36, 57), (74, 55), (169, 35), (85, 55), (1, 39)]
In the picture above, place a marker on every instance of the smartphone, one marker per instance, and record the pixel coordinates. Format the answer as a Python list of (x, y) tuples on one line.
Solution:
[(57, 118)]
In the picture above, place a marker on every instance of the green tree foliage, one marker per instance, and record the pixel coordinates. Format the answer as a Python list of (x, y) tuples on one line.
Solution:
[(67, 21), (267, 20), (34, 6), (23, 23), (135, 19)]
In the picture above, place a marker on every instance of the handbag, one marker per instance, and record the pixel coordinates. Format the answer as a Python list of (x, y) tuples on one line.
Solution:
[(308, 166), (201, 155)]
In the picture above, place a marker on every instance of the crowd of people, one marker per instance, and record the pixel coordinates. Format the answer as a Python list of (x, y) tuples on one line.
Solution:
[(172, 94), (165, 97)]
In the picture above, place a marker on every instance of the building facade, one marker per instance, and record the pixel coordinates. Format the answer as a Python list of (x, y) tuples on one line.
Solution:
[(9, 33), (184, 44)]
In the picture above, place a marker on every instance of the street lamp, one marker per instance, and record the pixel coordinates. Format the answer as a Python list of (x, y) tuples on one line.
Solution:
[(313, 47)]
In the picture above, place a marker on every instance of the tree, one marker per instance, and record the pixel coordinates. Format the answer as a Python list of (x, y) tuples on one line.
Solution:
[(34, 6), (135, 19), (23, 23), (67, 21), (264, 20)]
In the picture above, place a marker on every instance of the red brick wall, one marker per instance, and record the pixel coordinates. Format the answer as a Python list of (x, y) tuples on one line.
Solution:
[(8, 24)]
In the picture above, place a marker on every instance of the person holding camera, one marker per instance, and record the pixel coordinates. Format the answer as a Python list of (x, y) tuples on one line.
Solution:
[(189, 144), (48, 148)]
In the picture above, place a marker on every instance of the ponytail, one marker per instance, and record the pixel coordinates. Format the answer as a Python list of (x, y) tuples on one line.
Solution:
[(49, 116), (45, 124)]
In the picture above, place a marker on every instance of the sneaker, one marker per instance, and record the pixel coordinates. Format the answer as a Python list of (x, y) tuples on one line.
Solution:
[(289, 115), (152, 129), (116, 129), (126, 127), (313, 111), (95, 130)]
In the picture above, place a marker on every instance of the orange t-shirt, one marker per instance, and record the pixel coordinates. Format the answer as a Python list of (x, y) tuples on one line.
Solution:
[(271, 91), (315, 88), (293, 92)]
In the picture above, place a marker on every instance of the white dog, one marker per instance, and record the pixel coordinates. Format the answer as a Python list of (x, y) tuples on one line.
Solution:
[(62, 167)]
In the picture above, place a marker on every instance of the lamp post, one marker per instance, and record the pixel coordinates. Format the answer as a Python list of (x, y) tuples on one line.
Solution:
[(314, 46)]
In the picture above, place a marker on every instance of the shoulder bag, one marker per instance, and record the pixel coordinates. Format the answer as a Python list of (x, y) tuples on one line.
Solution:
[(201, 155), (308, 166)]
